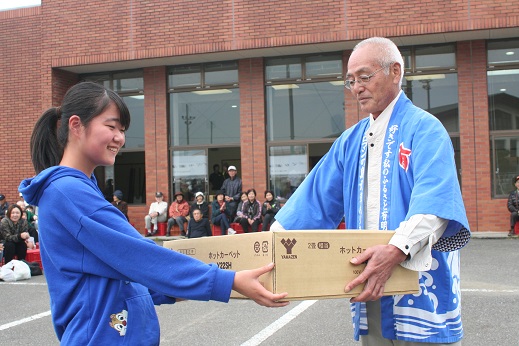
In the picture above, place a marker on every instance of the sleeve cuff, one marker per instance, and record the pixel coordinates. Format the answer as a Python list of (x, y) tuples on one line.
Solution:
[(402, 242)]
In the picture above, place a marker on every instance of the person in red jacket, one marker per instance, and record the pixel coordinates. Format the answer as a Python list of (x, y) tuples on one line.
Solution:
[(178, 211)]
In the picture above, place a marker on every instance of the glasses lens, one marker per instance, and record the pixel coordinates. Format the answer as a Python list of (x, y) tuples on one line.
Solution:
[(364, 79)]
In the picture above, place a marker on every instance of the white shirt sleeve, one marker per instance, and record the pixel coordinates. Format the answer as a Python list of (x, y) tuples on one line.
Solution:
[(276, 226), (416, 237), (162, 207)]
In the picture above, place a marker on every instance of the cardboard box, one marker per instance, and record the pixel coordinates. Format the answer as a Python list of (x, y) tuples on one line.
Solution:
[(309, 264)]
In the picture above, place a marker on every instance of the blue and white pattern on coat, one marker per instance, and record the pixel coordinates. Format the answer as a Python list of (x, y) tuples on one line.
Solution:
[(413, 323)]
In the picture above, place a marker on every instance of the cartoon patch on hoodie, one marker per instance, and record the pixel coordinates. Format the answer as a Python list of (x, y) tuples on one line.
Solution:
[(118, 322)]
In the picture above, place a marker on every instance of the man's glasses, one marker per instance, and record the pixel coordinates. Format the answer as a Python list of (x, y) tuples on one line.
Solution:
[(364, 79)]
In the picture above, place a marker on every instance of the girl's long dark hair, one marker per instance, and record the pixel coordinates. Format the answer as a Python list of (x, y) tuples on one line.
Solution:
[(50, 135)]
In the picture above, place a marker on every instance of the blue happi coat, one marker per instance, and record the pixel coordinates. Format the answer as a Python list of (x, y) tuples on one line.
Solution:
[(418, 176)]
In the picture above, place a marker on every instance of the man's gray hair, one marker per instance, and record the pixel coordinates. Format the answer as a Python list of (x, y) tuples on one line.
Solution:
[(388, 52)]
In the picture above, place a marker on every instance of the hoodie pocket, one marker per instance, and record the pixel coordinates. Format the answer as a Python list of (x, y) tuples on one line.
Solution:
[(142, 327)]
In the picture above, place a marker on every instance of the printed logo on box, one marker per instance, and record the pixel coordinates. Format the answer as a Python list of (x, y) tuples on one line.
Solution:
[(263, 247), (189, 252), (289, 245)]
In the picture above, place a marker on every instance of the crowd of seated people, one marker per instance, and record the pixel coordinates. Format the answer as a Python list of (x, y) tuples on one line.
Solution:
[(250, 213)]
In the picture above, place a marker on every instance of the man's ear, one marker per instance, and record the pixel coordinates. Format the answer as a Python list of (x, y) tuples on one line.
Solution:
[(396, 70)]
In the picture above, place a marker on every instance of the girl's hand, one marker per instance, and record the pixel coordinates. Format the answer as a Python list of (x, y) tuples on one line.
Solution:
[(246, 282)]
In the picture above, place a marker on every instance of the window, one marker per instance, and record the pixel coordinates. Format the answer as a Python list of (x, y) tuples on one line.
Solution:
[(437, 94), (431, 82), (305, 97), (189, 172), (204, 104), (305, 111), (203, 76), (288, 166), (128, 172), (419, 59), (283, 68), (198, 118), (305, 107), (503, 111), (503, 52)]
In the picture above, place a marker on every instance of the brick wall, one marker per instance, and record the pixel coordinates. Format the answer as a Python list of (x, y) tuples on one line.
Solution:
[(124, 30), (20, 103), (156, 126), (252, 126)]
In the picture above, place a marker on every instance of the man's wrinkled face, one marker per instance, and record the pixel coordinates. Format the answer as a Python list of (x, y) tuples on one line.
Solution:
[(197, 215), (375, 95)]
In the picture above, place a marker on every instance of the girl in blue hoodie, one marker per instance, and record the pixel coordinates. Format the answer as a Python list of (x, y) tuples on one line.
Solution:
[(104, 278)]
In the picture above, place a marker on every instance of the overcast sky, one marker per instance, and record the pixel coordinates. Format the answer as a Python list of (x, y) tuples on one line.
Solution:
[(10, 4)]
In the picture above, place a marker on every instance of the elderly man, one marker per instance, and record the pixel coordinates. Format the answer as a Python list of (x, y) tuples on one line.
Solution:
[(157, 213), (198, 226), (394, 170)]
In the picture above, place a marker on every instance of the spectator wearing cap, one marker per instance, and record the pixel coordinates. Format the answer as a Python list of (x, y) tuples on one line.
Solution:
[(200, 204), (232, 188), (119, 203), (513, 205), (3, 206), (157, 213), (178, 212), (220, 213)]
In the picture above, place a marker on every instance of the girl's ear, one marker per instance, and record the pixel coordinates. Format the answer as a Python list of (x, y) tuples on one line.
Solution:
[(74, 123)]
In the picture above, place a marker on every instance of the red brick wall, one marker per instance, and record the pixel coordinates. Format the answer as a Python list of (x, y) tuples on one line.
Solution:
[(20, 103), (252, 126), (122, 30), (408, 17)]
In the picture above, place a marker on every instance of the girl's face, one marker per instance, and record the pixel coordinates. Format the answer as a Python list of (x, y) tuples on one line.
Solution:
[(244, 197), (269, 196), (219, 197), (101, 140), (251, 196), (15, 215)]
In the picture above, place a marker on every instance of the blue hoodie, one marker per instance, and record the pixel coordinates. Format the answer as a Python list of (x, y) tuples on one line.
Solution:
[(104, 278)]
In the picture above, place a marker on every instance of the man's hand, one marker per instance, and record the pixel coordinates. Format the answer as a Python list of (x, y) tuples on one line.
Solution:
[(381, 260)]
